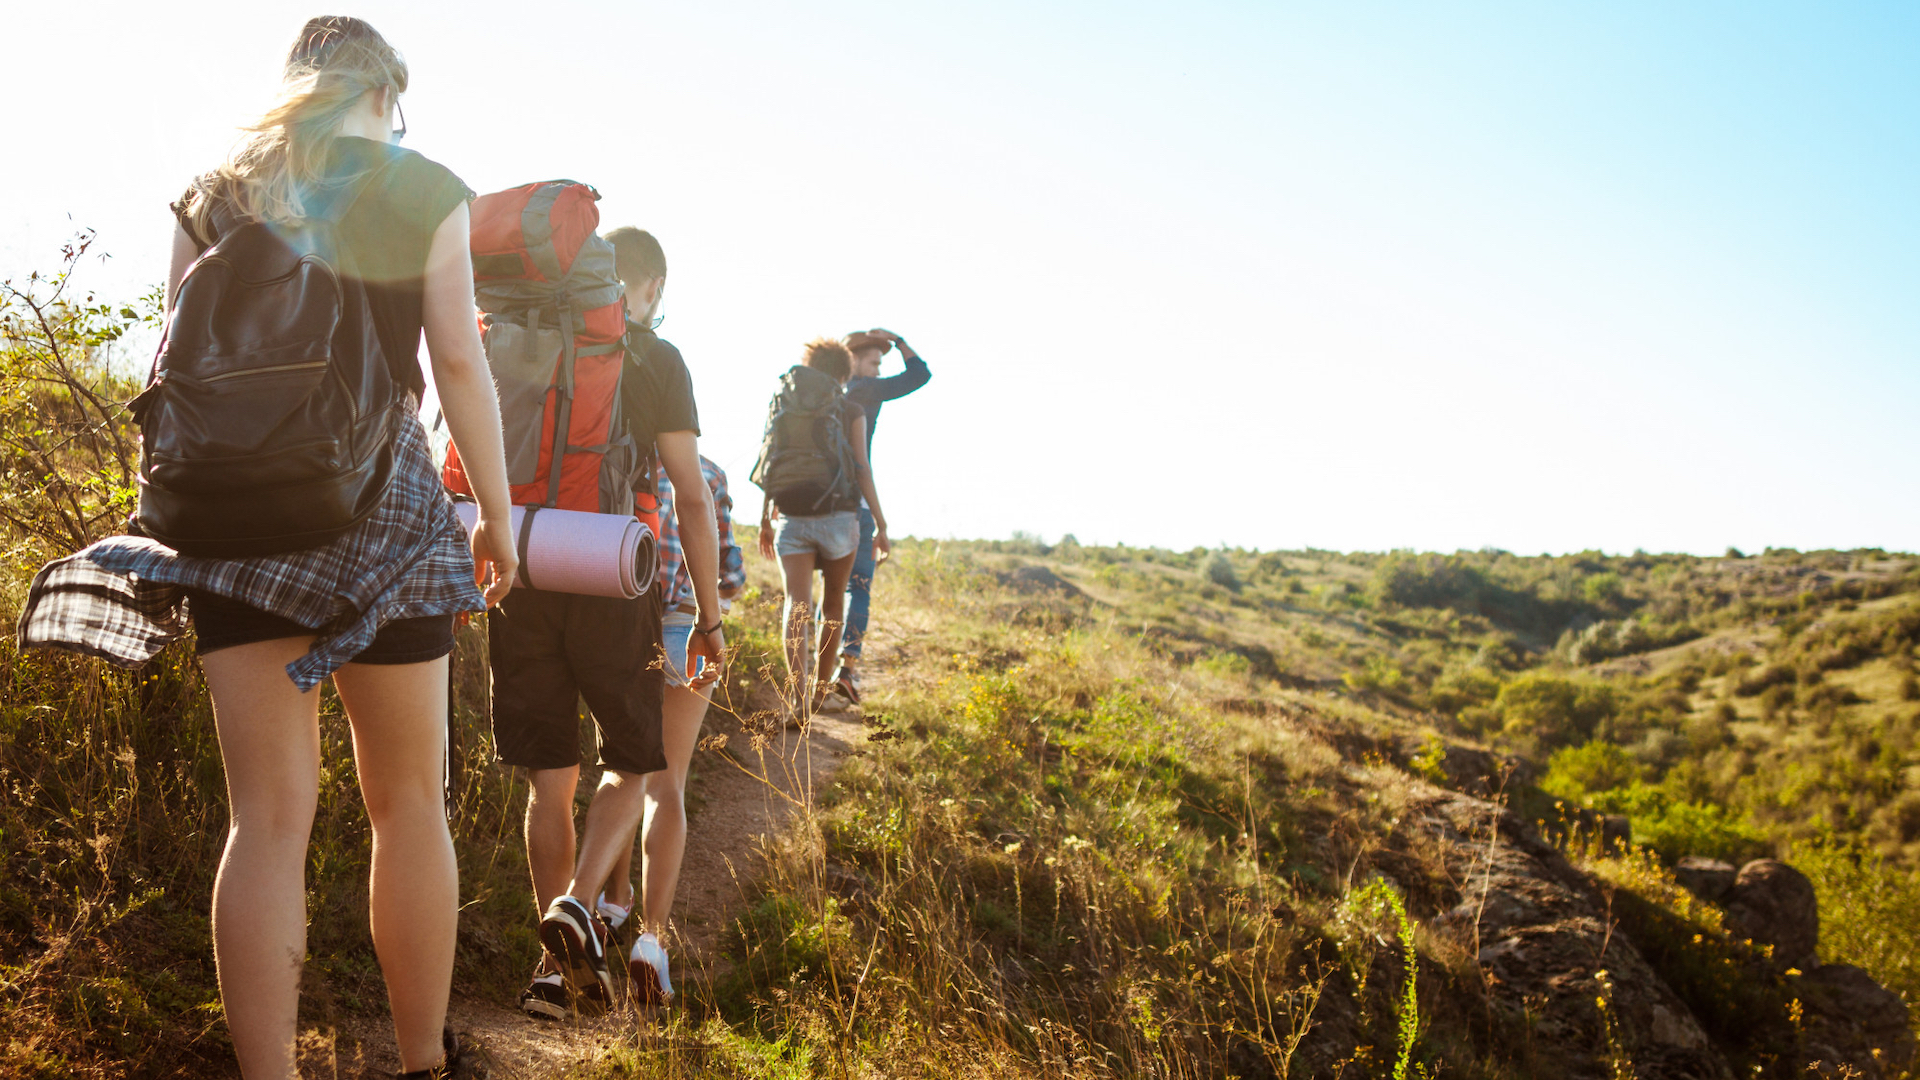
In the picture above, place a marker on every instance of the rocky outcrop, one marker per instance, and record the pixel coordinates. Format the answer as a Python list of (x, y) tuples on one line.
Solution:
[(1852, 1022), (1708, 879), (1555, 970), (1575, 996), (1771, 903)]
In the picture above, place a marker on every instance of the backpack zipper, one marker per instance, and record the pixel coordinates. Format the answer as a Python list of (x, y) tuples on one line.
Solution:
[(305, 365)]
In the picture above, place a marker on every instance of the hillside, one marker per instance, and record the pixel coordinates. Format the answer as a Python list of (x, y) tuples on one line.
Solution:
[(1107, 812)]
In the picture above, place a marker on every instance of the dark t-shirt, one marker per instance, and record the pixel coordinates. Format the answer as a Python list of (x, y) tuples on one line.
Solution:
[(871, 393), (386, 233), (656, 394)]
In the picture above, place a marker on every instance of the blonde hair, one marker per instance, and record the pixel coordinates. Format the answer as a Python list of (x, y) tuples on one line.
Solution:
[(276, 167)]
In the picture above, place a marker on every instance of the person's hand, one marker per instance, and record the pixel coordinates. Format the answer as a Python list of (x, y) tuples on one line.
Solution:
[(905, 349), (881, 546), (495, 559), (710, 647), (766, 538)]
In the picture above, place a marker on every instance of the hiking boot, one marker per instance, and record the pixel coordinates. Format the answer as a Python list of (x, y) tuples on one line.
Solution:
[(578, 941), (463, 1062), (846, 683), (647, 984), (546, 997)]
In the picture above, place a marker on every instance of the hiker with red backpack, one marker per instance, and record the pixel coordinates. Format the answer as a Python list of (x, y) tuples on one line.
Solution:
[(586, 384), (289, 510), (814, 474)]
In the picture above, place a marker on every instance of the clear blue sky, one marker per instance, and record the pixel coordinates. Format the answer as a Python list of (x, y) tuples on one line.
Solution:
[(1541, 277)]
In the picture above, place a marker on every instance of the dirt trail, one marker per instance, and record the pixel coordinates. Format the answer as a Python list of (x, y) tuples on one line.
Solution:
[(734, 799)]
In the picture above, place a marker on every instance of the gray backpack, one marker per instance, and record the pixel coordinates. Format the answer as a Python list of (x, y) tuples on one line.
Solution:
[(806, 457)]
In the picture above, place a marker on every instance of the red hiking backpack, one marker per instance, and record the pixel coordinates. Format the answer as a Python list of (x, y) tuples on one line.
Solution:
[(553, 318)]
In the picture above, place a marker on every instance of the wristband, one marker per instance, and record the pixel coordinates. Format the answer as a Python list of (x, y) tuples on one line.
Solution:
[(708, 630)]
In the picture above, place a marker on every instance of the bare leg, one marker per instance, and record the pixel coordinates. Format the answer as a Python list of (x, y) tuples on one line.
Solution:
[(797, 572), (612, 818), (399, 717), (270, 746), (550, 837), (664, 837), (833, 613)]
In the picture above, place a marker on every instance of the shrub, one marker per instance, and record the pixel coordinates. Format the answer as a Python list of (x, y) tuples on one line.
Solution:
[(1405, 580), (1689, 828), (1379, 673), (1869, 912), (1549, 710), (1760, 679), (1220, 571), (67, 447), (1601, 590), (1577, 771), (1462, 687)]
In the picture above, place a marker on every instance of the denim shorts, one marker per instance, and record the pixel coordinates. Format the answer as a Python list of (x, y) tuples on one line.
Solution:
[(829, 536), (675, 630)]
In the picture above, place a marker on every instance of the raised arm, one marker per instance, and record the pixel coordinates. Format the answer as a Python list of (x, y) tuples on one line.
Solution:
[(894, 386), (468, 398)]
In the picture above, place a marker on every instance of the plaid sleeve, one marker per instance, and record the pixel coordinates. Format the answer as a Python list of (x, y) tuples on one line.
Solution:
[(78, 605), (733, 570), (671, 557)]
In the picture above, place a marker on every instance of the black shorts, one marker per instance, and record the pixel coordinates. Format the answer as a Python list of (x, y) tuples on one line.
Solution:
[(221, 623), (548, 650)]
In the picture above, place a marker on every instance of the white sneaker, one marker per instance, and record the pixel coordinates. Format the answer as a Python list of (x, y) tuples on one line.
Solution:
[(614, 915), (647, 983)]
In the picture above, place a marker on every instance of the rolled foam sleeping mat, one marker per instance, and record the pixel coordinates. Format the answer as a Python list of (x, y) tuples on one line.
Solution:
[(573, 551)]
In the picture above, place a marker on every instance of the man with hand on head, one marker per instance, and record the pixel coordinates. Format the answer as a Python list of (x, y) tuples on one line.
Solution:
[(870, 391)]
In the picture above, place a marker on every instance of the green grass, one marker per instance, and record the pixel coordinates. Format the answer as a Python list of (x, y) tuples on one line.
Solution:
[(1139, 827)]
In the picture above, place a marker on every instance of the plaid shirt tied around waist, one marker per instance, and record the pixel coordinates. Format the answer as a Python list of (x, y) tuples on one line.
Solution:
[(123, 599)]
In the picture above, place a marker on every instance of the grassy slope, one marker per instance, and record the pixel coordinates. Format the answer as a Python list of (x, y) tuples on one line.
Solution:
[(1124, 828), (1123, 833)]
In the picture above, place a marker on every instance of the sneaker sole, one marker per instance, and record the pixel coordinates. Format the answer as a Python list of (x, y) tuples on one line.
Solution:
[(643, 986), (593, 988), (541, 1009)]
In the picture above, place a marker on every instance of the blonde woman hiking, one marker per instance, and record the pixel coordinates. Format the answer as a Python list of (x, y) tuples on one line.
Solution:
[(291, 512)]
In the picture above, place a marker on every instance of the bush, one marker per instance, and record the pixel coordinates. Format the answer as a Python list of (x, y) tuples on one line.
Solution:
[(1601, 590), (1462, 687), (1763, 678), (1405, 580), (1220, 572), (1379, 673), (1689, 828), (1574, 772), (1550, 711), (1869, 912)]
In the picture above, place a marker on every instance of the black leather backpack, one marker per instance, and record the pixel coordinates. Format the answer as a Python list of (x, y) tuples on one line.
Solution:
[(268, 424)]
